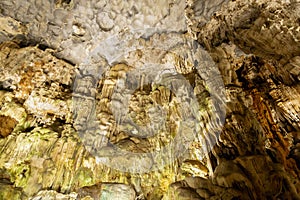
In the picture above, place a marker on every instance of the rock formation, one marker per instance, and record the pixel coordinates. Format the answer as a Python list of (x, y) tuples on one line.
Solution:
[(148, 100)]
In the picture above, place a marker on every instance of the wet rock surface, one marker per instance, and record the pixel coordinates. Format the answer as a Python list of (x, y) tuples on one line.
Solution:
[(149, 99)]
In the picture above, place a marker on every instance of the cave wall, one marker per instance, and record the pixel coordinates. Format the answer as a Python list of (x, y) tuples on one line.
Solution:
[(218, 82)]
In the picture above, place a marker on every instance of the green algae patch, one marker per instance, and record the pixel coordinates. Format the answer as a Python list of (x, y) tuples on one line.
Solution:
[(10, 192), (83, 177), (20, 174)]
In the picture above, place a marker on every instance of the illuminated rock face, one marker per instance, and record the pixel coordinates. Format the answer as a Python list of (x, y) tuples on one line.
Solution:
[(149, 99)]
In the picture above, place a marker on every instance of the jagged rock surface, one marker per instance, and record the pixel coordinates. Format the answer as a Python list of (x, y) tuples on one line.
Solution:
[(70, 69)]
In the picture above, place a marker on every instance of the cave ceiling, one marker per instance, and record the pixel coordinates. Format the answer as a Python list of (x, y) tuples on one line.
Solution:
[(149, 100)]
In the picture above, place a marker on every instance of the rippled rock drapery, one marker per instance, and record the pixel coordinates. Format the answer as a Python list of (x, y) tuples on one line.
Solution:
[(59, 59)]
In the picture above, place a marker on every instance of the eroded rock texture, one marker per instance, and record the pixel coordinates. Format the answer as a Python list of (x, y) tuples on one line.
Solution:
[(135, 100)]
